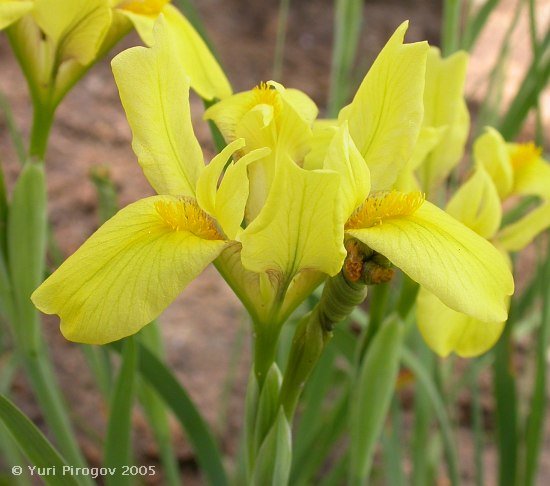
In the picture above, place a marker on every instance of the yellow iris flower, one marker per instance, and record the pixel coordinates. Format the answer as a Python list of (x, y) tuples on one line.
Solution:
[(56, 41), (141, 259), (369, 147), (515, 169)]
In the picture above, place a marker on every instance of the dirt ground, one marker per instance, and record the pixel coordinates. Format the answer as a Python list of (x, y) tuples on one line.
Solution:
[(203, 326)]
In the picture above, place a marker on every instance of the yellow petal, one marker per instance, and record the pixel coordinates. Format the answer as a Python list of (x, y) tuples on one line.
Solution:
[(76, 27), (300, 102), (518, 235), (344, 158), (491, 152), (233, 192), (298, 228), (207, 77), (477, 205), (207, 184), (323, 133), (447, 331), (130, 269), (154, 91), (11, 11), (386, 113), (444, 106), (531, 171), (461, 268)]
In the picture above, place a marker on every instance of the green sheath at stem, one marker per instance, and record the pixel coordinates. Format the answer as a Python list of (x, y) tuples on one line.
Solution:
[(339, 298)]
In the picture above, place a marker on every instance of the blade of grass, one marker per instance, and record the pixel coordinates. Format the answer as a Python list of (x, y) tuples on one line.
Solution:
[(539, 399), (506, 405), (533, 83), (391, 446), (179, 401), (154, 408), (477, 424), (476, 23), (15, 134), (282, 26), (416, 366), (450, 35), (118, 449), (33, 444), (348, 17)]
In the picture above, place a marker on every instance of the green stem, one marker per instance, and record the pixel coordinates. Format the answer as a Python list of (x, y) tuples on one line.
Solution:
[(379, 301), (506, 406), (451, 26), (282, 24), (41, 126)]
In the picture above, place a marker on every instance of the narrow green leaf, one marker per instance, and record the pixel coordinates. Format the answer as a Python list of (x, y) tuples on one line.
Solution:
[(179, 401), (535, 420), (118, 450), (15, 133), (33, 444), (371, 397), (348, 17), (27, 245), (392, 447), (268, 406), (323, 439), (106, 193), (282, 25), (415, 365), (450, 35), (274, 458), (476, 23)]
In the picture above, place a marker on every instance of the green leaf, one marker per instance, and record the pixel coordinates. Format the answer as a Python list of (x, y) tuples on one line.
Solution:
[(371, 397), (275, 456), (268, 406), (33, 443), (417, 367), (179, 401), (118, 450), (27, 232)]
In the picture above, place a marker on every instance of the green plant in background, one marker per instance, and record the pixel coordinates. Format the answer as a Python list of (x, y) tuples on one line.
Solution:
[(292, 202)]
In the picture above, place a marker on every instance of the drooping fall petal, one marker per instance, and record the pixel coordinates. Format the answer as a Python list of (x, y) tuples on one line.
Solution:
[(130, 269), (461, 268), (163, 137), (447, 331)]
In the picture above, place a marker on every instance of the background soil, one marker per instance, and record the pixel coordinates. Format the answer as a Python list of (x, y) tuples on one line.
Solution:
[(206, 323)]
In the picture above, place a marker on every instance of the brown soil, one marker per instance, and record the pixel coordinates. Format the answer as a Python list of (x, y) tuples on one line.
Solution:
[(203, 325)]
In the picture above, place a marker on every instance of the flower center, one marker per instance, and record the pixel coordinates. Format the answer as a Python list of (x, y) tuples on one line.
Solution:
[(384, 205), (144, 7), (524, 154), (185, 215), (266, 95)]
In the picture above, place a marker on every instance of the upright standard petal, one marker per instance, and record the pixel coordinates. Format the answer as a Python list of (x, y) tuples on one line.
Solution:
[(447, 331), (154, 90), (477, 205), (76, 27), (343, 157), (461, 268), (386, 113), (207, 77), (444, 106), (490, 151), (299, 228), (11, 11), (130, 269)]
